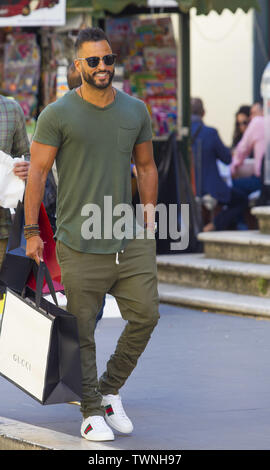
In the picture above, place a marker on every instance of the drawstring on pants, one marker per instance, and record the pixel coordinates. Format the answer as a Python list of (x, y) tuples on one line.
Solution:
[(117, 256)]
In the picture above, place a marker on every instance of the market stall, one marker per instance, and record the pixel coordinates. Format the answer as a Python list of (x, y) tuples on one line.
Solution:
[(36, 47), (20, 68)]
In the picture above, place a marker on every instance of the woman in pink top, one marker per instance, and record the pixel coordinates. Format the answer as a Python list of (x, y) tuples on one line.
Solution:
[(253, 140)]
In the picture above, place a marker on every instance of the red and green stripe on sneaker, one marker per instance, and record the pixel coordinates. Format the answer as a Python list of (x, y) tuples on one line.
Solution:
[(109, 410)]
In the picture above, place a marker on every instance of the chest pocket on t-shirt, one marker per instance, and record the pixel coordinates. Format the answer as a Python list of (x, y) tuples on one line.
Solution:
[(126, 139)]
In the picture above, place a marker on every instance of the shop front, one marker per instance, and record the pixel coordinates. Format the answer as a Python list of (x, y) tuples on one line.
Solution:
[(36, 46)]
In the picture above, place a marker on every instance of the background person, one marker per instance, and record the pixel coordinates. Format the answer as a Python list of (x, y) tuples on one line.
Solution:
[(14, 142), (256, 109), (73, 77), (242, 119), (207, 149), (253, 140)]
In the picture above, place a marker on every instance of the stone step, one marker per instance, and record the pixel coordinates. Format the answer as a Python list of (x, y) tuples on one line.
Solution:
[(213, 300), (262, 213), (196, 270), (249, 246)]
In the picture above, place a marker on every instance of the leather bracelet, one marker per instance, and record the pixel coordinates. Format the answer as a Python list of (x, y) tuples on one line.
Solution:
[(33, 233)]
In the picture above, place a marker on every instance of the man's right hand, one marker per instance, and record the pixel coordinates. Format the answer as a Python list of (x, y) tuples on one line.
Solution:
[(34, 248)]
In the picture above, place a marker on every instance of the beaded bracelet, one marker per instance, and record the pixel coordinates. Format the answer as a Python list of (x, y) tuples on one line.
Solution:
[(30, 234), (31, 230), (28, 227)]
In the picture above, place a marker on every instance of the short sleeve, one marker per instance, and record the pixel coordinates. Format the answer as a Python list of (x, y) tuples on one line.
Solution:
[(48, 130), (20, 139), (146, 132)]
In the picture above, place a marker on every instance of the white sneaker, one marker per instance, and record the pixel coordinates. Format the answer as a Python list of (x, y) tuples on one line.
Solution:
[(115, 414), (94, 428)]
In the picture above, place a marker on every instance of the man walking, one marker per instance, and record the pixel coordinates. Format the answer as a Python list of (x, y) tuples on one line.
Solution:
[(14, 142), (91, 133)]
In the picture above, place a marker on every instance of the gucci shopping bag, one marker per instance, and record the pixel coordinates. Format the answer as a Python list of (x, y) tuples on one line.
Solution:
[(39, 345)]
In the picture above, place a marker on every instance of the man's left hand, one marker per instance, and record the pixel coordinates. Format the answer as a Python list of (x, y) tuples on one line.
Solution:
[(21, 169)]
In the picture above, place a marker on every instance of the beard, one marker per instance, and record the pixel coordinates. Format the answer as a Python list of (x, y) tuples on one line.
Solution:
[(90, 79)]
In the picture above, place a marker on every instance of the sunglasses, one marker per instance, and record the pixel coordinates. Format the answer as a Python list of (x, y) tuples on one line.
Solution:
[(93, 62)]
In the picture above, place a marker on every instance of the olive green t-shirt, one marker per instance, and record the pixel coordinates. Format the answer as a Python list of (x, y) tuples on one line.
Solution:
[(93, 163)]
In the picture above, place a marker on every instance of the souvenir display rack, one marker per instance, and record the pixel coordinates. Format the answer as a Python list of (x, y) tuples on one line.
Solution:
[(30, 59), (147, 56)]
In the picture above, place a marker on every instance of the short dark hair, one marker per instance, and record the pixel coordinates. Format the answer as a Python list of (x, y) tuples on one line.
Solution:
[(196, 106), (90, 35)]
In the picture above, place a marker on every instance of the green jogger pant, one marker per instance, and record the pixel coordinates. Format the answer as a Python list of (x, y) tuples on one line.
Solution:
[(129, 276)]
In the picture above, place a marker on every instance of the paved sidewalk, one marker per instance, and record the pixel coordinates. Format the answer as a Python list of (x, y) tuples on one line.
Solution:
[(202, 383)]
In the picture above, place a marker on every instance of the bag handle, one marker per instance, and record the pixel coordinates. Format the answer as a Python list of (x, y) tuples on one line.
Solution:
[(14, 240), (40, 273), (3, 288)]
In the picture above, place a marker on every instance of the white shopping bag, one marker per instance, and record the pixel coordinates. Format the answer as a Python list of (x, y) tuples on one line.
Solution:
[(11, 186), (39, 345), (24, 362)]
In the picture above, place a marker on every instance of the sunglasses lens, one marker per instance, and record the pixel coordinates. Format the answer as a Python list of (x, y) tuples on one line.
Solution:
[(109, 59), (92, 61)]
